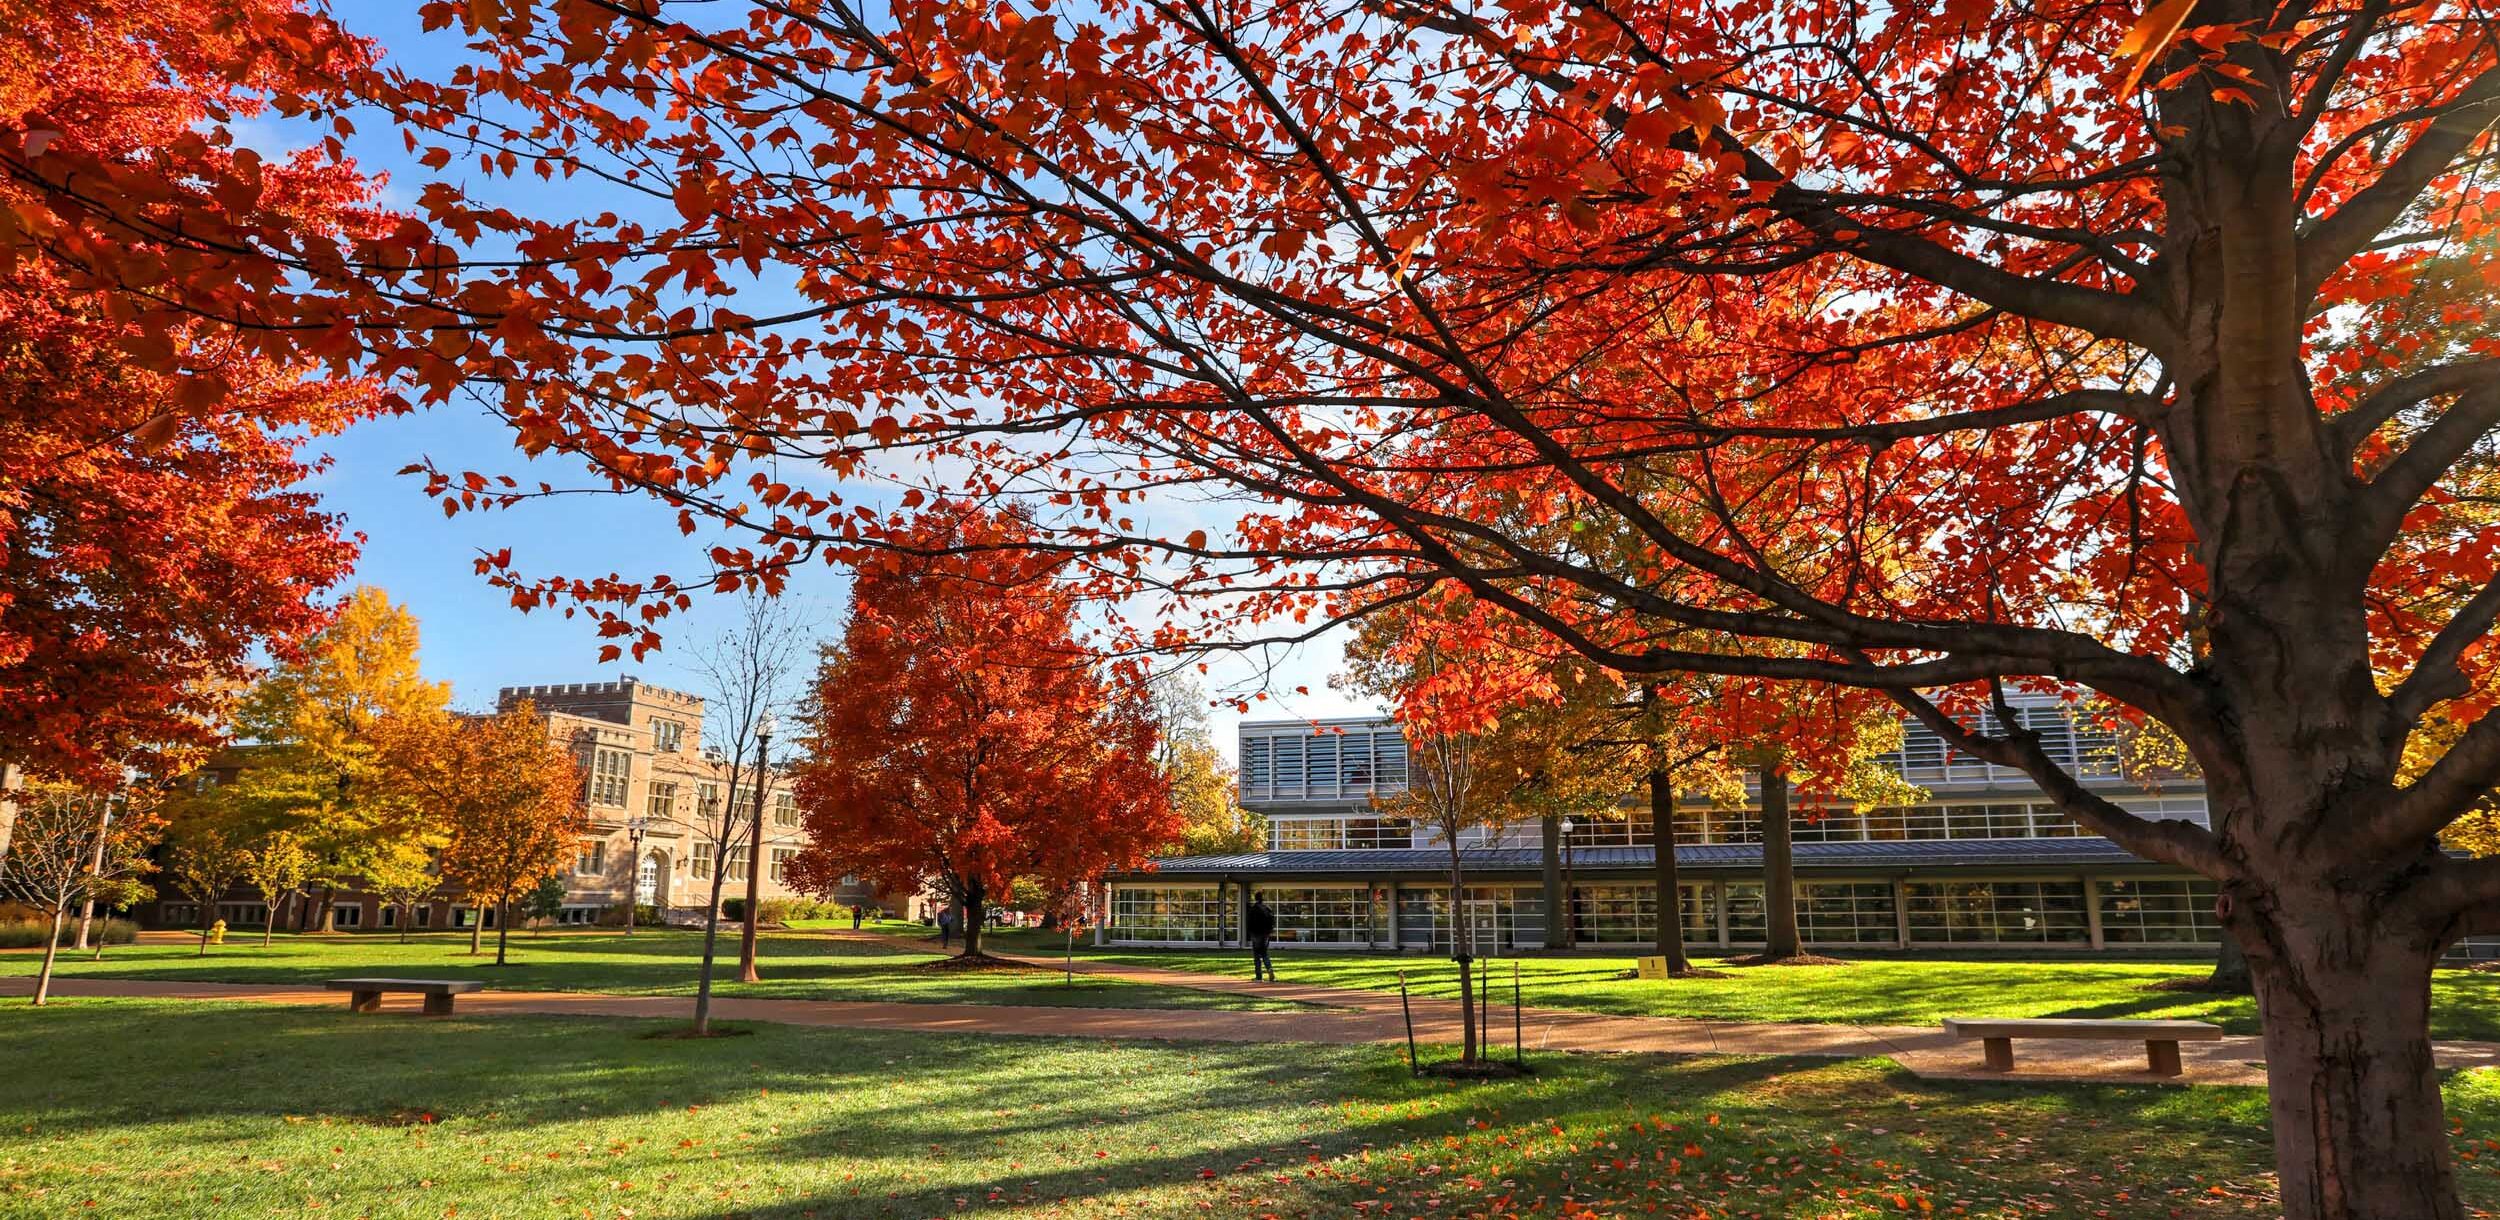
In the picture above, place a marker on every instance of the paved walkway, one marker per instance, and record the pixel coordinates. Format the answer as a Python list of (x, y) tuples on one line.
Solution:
[(1348, 1016)]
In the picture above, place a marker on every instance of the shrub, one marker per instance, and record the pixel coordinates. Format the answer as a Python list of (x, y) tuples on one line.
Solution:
[(733, 910), (645, 916), (28, 933), (776, 910)]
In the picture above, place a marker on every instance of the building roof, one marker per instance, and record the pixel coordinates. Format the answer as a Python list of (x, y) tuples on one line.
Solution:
[(1709, 857)]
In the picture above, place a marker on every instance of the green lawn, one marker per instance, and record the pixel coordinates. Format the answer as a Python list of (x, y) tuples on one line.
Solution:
[(163, 1108), (650, 962), (1918, 990)]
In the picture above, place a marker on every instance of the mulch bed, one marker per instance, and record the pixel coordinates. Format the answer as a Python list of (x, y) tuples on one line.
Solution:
[(1481, 1069), (1802, 959), (2195, 984), (984, 963), (1694, 972)]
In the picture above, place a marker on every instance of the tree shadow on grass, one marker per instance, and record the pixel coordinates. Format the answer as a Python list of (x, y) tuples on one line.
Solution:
[(864, 1123)]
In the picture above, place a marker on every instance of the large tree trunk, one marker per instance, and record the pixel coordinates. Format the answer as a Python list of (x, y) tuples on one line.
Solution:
[(1670, 888), (2359, 1132), (329, 910), (976, 900), (51, 954), (2231, 971), (1779, 870)]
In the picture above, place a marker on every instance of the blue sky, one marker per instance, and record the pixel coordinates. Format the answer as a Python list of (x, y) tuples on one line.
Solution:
[(473, 636)]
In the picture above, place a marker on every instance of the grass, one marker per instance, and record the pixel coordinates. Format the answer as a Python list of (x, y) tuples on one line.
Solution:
[(282, 1111), (650, 962), (1898, 990)]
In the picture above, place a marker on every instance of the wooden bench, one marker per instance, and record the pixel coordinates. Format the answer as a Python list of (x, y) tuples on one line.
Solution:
[(2161, 1038), (365, 995)]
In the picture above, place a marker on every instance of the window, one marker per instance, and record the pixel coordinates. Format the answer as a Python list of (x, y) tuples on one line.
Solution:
[(667, 736), (663, 801), (1503, 917), (608, 771), (1634, 829), (1628, 914), (1337, 834), (1181, 914), (785, 809), (390, 916), (736, 869), (592, 860), (348, 914), (1321, 915), (425, 914), (1850, 912), (781, 857), (1996, 912), (707, 800), (2174, 912), (703, 860)]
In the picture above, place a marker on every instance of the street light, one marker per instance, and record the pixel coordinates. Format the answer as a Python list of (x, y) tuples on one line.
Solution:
[(755, 847), (1571, 931), (634, 826)]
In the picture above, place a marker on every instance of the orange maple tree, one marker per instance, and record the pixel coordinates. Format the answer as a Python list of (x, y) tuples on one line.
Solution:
[(506, 798), (1931, 349), (963, 735)]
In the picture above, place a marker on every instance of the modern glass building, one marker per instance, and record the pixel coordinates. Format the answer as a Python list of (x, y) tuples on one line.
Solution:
[(1985, 861)]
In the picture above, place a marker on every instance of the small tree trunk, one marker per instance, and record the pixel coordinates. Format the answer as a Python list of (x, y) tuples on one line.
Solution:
[(1670, 888), (2359, 1132), (477, 930), (51, 953), (329, 910), (204, 907), (269, 918), (407, 912), (711, 940), (1557, 920), (95, 864), (1462, 950), (503, 926), (1779, 870)]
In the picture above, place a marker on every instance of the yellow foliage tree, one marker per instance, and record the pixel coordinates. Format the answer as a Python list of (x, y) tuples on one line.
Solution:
[(319, 727)]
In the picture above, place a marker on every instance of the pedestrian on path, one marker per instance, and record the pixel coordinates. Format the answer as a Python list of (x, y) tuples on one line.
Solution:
[(946, 926), (1262, 925), (858, 913)]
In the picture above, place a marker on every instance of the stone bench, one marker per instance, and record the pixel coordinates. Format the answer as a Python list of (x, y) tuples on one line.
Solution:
[(2161, 1039), (365, 995)]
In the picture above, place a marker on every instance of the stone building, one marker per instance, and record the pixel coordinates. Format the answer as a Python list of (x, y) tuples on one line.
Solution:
[(649, 788)]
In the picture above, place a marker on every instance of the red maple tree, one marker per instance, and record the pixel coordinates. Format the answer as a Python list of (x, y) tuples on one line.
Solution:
[(146, 559), (152, 535), (962, 735)]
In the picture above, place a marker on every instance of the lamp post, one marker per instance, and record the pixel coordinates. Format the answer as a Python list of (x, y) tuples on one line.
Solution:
[(755, 848), (634, 826), (1571, 931)]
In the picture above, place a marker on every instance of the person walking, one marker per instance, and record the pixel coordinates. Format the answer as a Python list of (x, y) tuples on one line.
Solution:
[(858, 913), (1262, 928), (946, 926)]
